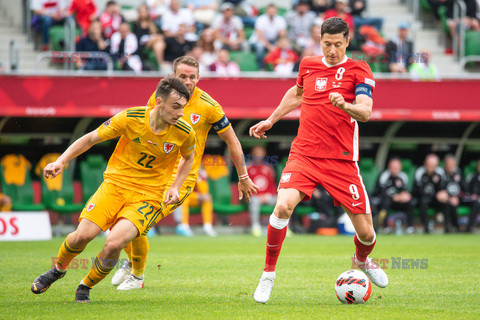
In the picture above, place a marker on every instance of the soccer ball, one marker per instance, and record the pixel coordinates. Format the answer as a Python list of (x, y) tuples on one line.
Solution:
[(353, 287)]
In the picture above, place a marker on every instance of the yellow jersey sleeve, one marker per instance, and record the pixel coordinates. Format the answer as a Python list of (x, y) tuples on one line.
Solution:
[(216, 116), (113, 127), (151, 100), (189, 145)]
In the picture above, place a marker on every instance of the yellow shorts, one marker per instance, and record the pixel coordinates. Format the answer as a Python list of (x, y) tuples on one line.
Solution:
[(111, 203)]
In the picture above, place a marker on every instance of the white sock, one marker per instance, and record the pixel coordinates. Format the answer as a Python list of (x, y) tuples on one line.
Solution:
[(138, 277), (269, 274)]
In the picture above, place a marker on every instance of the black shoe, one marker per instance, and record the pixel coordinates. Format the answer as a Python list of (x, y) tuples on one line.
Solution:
[(82, 294), (44, 281)]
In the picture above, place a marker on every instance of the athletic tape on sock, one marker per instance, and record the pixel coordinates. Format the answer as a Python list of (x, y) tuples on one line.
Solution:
[(278, 223), (368, 243)]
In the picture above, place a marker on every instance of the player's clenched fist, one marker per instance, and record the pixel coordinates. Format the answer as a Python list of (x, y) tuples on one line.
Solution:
[(337, 100), (53, 169), (258, 130), (172, 196)]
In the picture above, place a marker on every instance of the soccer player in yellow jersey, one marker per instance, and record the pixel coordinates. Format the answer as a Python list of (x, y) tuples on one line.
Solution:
[(201, 112), (129, 201)]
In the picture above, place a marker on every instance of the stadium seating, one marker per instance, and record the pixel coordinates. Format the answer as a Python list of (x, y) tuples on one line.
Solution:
[(369, 172), (222, 196), (91, 175), (61, 201), (246, 61), (21, 194), (472, 43)]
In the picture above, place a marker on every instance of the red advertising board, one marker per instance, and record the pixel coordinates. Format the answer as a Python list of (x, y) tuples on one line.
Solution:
[(254, 98)]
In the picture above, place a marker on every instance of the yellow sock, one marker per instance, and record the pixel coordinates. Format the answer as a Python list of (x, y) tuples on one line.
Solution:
[(100, 269), (128, 250), (66, 254), (207, 211), (185, 211), (140, 248)]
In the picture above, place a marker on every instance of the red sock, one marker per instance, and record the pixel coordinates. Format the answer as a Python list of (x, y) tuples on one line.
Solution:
[(362, 251), (275, 239)]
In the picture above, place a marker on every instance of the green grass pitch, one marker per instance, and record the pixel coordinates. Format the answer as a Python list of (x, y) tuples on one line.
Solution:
[(212, 278)]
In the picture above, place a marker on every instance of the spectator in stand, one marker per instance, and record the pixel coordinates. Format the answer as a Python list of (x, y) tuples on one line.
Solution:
[(299, 22), (474, 198), (471, 21), (93, 42), (391, 193), (178, 45), (224, 66), (400, 50), (340, 10), (283, 57), (357, 8), (203, 11), (424, 69), (307, 52), (197, 52), (429, 189), (85, 12), (228, 29), (111, 19), (148, 37), (46, 14), (246, 10), (207, 42), (157, 9), (319, 6), (268, 28), (5, 203), (262, 174), (123, 48), (455, 186), (176, 16), (314, 42)]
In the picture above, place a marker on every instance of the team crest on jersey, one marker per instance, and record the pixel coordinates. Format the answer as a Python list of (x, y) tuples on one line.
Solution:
[(90, 207), (285, 177), (321, 84), (167, 147), (194, 118)]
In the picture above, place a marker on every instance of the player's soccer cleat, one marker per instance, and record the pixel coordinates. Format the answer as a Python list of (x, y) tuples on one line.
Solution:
[(184, 230), (45, 280), (82, 295), (264, 289), (131, 283), (208, 229), (373, 271), (122, 274)]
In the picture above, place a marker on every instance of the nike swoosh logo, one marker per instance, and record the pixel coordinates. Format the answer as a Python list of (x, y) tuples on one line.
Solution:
[(356, 204)]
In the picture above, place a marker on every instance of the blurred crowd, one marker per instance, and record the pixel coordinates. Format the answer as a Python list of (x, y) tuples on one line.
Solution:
[(224, 36)]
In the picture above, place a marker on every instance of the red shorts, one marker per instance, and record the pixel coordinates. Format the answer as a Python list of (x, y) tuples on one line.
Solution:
[(341, 179)]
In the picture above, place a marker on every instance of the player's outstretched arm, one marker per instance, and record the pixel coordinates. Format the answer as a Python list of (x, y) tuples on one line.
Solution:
[(361, 110), (246, 187), (291, 100), (77, 148), (184, 167)]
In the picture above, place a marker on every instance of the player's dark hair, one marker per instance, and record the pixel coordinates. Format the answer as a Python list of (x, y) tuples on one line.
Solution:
[(110, 3), (169, 84), (335, 25), (188, 60)]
